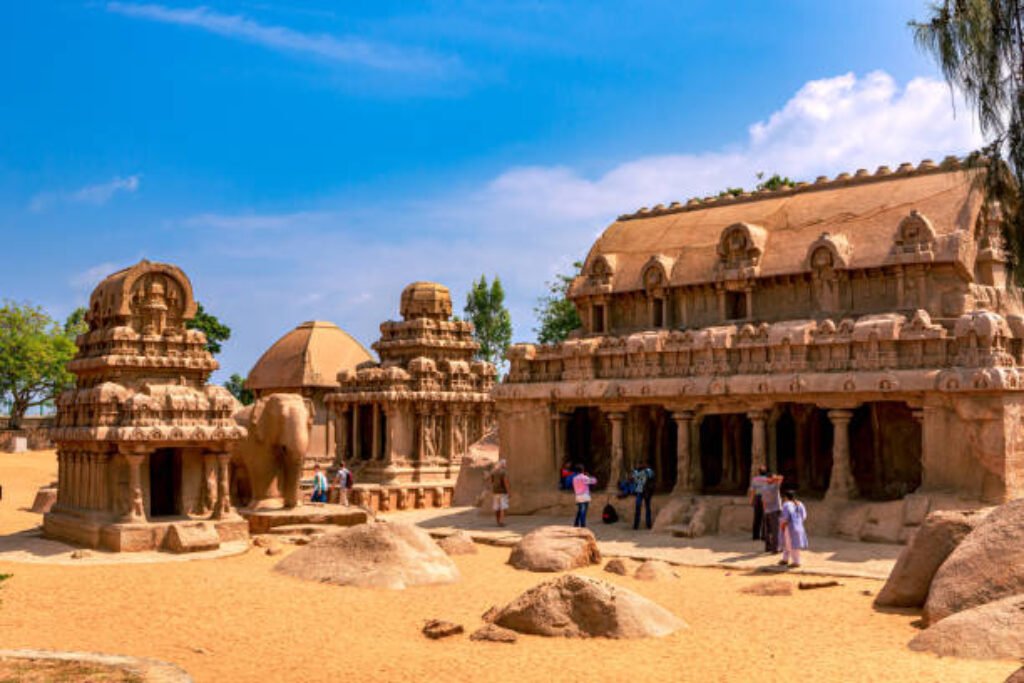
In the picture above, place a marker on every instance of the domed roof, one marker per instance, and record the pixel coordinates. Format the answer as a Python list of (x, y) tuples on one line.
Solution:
[(311, 355), (426, 300)]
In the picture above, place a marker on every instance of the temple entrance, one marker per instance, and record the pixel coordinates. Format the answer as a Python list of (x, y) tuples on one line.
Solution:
[(365, 443), (885, 450), (725, 443), (164, 482), (589, 442), (651, 437), (803, 448), (241, 486)]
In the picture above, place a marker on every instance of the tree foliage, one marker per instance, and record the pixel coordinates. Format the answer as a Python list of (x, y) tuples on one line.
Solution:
[(75, 324), (216, 331), (34, 351), (979, 46), (557, 315), (236, 385), (492, 323)]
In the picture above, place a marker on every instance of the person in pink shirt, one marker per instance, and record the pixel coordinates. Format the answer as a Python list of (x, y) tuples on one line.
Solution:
[(581, 484)]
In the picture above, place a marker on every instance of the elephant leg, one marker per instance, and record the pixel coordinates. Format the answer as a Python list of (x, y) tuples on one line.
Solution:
[(291, 473)]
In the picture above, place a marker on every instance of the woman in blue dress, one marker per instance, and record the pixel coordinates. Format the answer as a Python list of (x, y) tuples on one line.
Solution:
[(793, 535)]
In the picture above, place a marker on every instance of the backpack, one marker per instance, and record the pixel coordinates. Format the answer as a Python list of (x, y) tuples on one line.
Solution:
[(609, 515), (349, 480)]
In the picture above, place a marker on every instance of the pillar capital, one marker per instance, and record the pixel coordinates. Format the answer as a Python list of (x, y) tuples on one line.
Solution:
[(682, 415), (757, 415), (840, 415)]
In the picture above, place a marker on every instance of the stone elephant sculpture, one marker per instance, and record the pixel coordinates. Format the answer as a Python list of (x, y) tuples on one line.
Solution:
[(278, 436)]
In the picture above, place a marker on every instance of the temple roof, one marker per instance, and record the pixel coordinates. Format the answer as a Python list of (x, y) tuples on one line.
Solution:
[(311, 355), (859, 216)]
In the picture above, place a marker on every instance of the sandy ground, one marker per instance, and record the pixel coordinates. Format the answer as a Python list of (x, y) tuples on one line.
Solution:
[(234, 619)]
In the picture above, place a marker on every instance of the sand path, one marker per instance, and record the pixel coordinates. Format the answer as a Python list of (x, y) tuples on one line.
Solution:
[(234, 619)]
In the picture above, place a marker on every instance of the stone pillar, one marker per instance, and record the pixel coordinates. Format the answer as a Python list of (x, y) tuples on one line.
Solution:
[(558, 422), (748, 293), (615, 471), (342, 432), (136, 511), (684, 478), (356, 455), (375, 450), (841, 485), (90, 482), (223, 506), (62, 473), (76, 479), (758, 450)]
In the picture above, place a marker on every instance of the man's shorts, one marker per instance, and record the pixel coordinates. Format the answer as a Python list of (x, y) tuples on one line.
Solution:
[(500, 501)]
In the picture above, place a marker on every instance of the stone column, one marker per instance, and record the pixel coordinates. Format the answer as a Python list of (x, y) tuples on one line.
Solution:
[(758, 451), (375, 448), (615, 471), (841, 485), (223, 506), (342, 431), (90, 482), (136, 511), (76, 479), (684, 479), (62, 473), (558, 421)]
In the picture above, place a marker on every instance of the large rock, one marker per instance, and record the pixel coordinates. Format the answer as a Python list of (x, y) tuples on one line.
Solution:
[(986, 566), (383, 555), (45, 498), (472, 485), (577, 607), (992, 631), (192, 537), (555, 549), (940, 534)]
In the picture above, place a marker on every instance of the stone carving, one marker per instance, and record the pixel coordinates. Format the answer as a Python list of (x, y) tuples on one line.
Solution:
[(141, 401), (278, 429)]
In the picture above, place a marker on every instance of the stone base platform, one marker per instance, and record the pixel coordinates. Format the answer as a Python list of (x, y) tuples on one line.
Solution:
[(408, 496), (262, 521), (141, 536)]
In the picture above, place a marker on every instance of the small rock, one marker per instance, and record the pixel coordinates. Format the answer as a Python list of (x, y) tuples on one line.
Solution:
[(770, 588), (490, 614), (654, 570), (200, 650), (1016, 677), (436, 629), (867, 593), (459, 543), (264, 541), (302, 540), (275, 550), (811, 585), (494, 634), (80, 554), (616, 566)]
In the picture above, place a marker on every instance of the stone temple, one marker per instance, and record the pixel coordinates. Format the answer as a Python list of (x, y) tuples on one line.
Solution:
[(404, 424), (856, 334), (306, 361), (143, 442)]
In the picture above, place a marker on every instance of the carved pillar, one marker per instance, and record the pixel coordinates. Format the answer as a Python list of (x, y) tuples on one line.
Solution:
[(223, 506), (136, 511), (76, 479), (684, 478), (841, 485), (375, 450), (342, 431), (615, 471), (758, 451), (62, 474), (210, 482), (90, 482), (558, 422), (748, 294)]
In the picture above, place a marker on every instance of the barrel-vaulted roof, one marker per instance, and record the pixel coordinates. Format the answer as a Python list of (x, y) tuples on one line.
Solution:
[(864, 219), (311, 355)]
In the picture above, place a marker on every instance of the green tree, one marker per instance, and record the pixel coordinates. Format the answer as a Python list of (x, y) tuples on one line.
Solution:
[(34, 351), (557, 315), (485, 308), (75, 323), (216, 331), (775, 182), (979, 45), (236, 385)]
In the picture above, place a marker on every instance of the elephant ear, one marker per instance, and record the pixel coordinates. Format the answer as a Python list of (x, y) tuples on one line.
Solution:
[(256, 426), (310, 410)]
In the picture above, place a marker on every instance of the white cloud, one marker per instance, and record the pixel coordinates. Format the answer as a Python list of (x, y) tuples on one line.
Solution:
[(97, 195), (528, 223), (345, 50), (87, 280)]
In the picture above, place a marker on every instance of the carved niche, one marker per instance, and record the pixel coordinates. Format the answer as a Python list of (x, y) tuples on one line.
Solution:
[(915, 237), (740, 249), (157, 304), (828, 258)]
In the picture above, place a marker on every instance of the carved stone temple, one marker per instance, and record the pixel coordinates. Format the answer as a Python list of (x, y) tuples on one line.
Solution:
[(404, 424), (143, 442), (857, 334)]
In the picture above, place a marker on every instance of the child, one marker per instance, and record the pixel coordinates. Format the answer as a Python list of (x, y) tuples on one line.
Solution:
[(793, 535), (581, 484)]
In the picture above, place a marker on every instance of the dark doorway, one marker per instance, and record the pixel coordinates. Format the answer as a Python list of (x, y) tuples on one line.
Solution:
[(725, 442), (803, 448), (365, 431), (241, 487), (735, 305), (885, 450), (651, 438), (164, 482), (589, 443)]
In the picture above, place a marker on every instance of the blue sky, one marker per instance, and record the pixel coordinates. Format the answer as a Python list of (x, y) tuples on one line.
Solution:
[(306, 160)]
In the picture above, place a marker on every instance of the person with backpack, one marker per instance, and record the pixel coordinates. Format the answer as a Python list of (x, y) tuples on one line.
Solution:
[(581, 484), (343, 479), (643, 488)]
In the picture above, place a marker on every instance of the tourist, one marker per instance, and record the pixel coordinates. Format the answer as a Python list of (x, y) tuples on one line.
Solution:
[(767, 485), (500, 489), (565, 476), (581, 484), (319, 485), (756, 503), (643, 488), (794, 537), (343, 479)]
